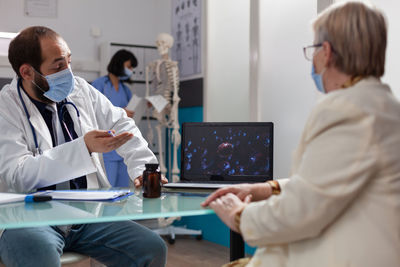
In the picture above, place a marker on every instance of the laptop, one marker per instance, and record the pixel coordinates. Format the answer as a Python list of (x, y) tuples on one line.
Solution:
[(214, 155)]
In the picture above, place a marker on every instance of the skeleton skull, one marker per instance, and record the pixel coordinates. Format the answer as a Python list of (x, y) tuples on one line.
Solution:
[(164, 42)]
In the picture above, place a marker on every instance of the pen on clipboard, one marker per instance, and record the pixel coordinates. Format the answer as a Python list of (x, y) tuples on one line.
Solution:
[(33, 198), (111, 133)]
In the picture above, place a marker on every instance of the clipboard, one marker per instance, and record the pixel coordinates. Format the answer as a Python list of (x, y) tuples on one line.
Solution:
[(86, 195)]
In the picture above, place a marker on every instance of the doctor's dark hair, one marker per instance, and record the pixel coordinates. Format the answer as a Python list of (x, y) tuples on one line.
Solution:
[(25, 47), (116, 65)]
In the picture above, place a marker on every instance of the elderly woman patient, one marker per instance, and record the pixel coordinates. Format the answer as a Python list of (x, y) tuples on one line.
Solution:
[(341, 204)]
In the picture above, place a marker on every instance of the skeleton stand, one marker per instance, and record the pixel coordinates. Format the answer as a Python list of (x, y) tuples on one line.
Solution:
[(165, 82)]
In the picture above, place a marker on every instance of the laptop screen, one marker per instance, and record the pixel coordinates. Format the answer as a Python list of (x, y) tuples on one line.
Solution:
[(236, 152)]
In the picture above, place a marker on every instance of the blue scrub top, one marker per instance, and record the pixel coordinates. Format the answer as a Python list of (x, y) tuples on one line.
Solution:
[(118, 98)]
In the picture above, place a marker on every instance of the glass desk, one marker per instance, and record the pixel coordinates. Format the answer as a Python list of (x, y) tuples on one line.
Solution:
[(134, 207)]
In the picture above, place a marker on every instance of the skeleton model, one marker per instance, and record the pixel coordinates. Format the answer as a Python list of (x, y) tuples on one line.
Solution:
[(162, 78)]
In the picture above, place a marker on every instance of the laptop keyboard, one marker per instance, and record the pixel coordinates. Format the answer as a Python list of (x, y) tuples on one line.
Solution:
[(195, 185)]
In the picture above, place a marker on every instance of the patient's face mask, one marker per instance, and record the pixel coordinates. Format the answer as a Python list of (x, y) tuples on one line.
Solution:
[(318, 78), (127, 74), (60, 85)]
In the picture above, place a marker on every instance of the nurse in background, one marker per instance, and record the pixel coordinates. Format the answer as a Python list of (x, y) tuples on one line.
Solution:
[(113, 86)]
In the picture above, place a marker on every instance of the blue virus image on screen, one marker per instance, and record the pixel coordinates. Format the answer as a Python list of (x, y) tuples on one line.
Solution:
[(228, 151)]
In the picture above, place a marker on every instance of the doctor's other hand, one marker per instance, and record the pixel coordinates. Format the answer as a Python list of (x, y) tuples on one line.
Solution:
[(227, 206), (138, 182), (256, 192), (129, 113), (102, 142)]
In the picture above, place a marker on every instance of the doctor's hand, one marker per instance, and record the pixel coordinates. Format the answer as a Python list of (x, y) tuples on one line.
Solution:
[(256, 192), (102, 142), (226, 208), (138, 182)]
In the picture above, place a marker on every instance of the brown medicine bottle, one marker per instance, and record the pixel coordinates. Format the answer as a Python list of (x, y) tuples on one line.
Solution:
[(151, 181)]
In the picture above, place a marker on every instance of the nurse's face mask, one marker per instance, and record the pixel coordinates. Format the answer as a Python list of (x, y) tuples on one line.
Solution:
[(127, 74), (59, 85)]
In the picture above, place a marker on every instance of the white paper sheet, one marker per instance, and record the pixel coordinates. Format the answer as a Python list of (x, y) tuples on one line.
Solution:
[(10, 197), (138, 105), (140, 111), (134, 103), (158, 102)]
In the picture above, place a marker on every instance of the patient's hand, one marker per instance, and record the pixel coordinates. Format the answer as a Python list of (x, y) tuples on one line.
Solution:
[(256, 192), (226, 208)]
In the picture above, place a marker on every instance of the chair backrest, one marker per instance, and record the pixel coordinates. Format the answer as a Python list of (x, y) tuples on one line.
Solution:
[(66, 258), (72, 257)]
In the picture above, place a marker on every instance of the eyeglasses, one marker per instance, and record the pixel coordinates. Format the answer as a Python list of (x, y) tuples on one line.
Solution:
[(310, 50)]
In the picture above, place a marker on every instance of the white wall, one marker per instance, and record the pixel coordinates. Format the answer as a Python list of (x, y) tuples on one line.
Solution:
[(286, 90), (226, 84), (124, 21), (391, 9)]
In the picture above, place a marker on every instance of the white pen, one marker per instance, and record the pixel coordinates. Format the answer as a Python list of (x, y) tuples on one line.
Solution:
[(111, 133)]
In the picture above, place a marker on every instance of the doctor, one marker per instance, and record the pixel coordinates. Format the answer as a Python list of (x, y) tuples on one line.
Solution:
[(54, 127)]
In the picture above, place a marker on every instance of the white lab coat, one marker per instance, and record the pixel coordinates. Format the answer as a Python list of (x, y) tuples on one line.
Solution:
[(21, 170), (341, 206)]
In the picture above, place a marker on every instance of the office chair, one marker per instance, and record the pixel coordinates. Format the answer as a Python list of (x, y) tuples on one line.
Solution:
[(164, 227), (171, 231)]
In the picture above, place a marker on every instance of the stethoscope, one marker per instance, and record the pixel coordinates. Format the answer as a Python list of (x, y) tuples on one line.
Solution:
[(38, 151)]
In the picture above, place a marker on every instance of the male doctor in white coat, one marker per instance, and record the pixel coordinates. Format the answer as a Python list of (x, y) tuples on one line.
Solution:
[(54, 125)]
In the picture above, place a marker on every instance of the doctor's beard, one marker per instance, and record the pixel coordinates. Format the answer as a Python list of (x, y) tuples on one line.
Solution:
[(41, 86)]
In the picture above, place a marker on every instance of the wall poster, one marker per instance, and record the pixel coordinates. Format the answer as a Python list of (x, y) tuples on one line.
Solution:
[(186, 30)]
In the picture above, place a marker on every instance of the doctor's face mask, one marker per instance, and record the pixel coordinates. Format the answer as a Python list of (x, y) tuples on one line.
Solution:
[(59, 85)]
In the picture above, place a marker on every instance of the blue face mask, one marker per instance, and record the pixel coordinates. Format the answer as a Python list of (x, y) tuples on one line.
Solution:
[(60, 83), (128, 73), (318, 80)]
